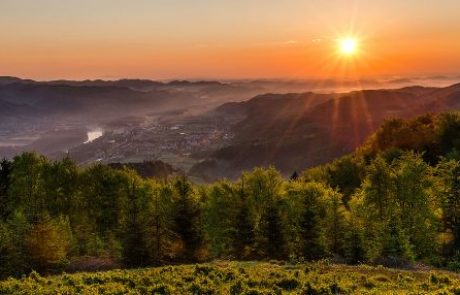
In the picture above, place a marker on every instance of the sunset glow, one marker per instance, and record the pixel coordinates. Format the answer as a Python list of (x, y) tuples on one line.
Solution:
[(225, 39)]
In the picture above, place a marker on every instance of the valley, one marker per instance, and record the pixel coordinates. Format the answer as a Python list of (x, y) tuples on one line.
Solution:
[(206, 129)]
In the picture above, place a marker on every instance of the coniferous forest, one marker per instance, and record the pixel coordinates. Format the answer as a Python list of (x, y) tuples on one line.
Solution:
[(394, 202)]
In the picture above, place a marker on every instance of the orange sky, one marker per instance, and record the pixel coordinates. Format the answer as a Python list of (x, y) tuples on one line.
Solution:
[(165, 39)]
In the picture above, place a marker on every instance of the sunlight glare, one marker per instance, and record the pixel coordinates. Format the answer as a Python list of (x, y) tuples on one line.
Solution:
[(348, 46)]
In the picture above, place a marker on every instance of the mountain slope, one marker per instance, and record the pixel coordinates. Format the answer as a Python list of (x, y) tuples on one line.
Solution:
[(296, 131)]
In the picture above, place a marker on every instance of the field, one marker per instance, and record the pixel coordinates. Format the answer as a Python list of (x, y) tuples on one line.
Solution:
[(224, 277)]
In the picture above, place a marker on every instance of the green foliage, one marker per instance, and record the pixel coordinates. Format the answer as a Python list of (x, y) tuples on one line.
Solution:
[(27, 184), (393, 202), (221, 211), (448, 190), (134, 221), (160, 220), (14, 254), (419, 134), (346, 174), (304, 218), (263, 190), (378, 188), (449, 132), (416, 204), (60, 181), (48, 242), (101, 191), (335, 222)]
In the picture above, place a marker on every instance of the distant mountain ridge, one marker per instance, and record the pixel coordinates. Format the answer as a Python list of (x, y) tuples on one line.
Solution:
[(99, 99), (135, 84), (131, 96)]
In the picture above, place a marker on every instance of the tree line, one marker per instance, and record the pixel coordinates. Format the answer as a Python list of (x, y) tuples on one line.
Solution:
[(394, 201)]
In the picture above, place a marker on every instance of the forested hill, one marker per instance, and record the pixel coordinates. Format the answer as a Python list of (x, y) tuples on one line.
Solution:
[(395, 201), (294, 131)]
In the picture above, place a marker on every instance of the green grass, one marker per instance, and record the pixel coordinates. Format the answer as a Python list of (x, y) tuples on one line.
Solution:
[(224, 277)]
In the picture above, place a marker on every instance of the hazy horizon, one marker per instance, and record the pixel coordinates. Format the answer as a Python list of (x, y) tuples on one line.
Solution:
[(434, 79)]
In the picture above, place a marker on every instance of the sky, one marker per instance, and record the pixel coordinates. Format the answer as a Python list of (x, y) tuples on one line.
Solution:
[(231, 39)]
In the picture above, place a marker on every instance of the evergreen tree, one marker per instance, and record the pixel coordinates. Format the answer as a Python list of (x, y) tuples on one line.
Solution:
[(187, 217), (395, 242), (311, 233), (27, 184), (304, 219), (379, 188), (60, 181), (135, 252), (6, 200), (244, 231), (14, 257), (335, 221), (263, 189), (161, 222), (221, 208), (274, 233), (416, 206), (355, 251), (102, 192), (294, 176), (357, 237), (448, 172)]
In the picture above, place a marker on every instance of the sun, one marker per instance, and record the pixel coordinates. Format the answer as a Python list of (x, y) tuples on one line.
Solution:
[(348, 46)]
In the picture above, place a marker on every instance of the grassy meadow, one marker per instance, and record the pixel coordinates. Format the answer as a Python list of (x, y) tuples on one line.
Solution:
[(223, 277)]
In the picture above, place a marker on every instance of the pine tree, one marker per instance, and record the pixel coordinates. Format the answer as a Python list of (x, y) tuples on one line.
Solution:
[(160, 222), (395, 242), (335, 221), (187, 218), (311, 233), (135, 251), (449, 174), (379, 188), (294, 176), (6, 201), (275, 238), (244, 234), (27, 186)]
